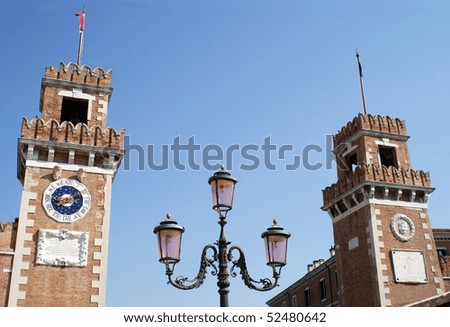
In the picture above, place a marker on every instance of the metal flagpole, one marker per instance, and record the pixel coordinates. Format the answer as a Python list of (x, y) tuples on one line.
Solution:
[(80, 41), (361, 83)]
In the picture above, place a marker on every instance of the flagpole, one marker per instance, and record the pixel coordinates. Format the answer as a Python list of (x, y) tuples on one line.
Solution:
[(361, 83), (80, 41), (80, 47)]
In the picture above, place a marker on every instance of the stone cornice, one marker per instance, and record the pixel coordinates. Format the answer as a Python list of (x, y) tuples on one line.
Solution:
[(77, 85), (370, 133)]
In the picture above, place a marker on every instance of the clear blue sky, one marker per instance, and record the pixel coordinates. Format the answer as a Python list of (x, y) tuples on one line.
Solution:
[(232, 73)]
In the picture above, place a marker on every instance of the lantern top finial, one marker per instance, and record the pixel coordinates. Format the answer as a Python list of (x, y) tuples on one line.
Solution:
[(276, 229)]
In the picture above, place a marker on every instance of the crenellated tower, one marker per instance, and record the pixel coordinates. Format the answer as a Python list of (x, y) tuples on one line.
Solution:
[(67, 160), (379, 211)]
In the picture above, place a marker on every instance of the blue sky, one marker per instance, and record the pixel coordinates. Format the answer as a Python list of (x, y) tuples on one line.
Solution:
[(232, 73)]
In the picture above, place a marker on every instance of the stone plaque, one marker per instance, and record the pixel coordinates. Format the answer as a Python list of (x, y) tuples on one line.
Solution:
[(403, 228), (409, 266), (62, 248)]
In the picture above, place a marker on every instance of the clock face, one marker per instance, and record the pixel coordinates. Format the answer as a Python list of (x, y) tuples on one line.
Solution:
[(66, 200)]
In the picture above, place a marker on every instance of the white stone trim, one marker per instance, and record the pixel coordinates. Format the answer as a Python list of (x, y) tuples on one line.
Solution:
[(50, 165), (71, 156), (386, 142), (353, 243), (100, 299), (399, 203), (348, 212), (369, 156), (7, 253), (373, 239), (78, 94), (19, 263), (51, 154), (102, 109), (382, 202), (350, 149)]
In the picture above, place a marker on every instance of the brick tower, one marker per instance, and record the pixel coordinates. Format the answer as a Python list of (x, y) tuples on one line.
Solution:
[(385, 252), (67, 160)]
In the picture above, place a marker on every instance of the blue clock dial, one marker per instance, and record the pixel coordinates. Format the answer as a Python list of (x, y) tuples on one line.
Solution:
[(67, 200)]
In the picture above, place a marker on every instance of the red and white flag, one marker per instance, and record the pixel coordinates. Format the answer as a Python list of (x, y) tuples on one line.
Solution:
[(81, 15)]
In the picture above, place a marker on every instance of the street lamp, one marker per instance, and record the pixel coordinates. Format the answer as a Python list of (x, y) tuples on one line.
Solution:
[(217, 256)]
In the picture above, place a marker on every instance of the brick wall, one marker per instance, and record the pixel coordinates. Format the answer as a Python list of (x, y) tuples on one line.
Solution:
[(7, 245), (44, 285)]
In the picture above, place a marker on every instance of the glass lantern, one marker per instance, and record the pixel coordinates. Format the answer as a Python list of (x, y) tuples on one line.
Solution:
[(275, 244), (222, 190), (169, 234)]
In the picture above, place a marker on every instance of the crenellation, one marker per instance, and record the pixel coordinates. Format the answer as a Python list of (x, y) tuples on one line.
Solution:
[(375, 123), (78, 74), (374, 173), (51, 130), (84, 74)]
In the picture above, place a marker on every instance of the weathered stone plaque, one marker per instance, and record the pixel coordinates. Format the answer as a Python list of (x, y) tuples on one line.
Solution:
[(409, 266), (62, 248)]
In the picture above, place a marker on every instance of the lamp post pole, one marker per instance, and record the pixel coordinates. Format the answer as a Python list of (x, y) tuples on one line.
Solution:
[(217, 256), (223, 280)]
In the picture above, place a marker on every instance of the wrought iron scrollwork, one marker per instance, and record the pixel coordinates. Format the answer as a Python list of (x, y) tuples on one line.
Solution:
[(184, 283), (266, 283)]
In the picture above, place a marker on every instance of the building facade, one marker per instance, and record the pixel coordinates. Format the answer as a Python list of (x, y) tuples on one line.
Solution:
[(55, 253), (385, 252)]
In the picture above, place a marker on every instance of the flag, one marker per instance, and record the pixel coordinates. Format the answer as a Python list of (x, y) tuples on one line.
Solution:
[(81, 15), (359, 65)]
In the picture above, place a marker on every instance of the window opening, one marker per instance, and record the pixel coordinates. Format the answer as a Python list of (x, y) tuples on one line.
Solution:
[(307, 297), (74, 110), (387, 156), (322, 290)]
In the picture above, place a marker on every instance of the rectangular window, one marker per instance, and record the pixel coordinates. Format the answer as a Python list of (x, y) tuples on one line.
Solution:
[(336, 281), (74, 110), (294, 301), (388, 156), (442, 252), (322, 290), (307, 297), (352, 161)]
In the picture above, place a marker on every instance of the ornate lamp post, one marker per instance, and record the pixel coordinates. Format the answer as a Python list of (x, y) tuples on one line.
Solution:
[(217, 256)]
